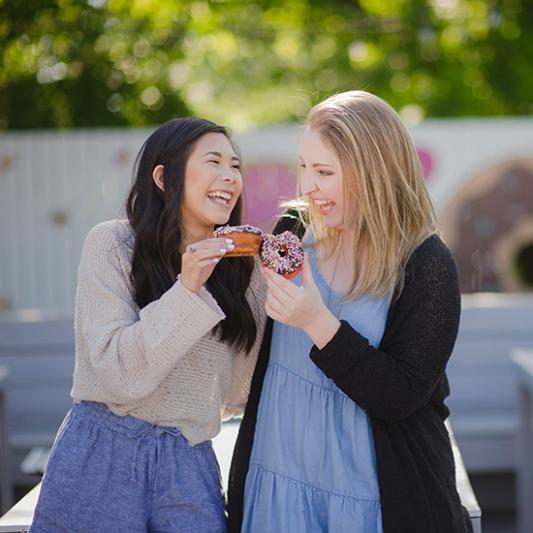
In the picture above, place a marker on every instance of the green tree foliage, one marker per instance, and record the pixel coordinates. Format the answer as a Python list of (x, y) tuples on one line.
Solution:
[(85, 63)]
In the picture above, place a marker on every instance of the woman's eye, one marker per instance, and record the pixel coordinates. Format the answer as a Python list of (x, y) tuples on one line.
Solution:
[(302, 165), (237, 167), (325, 173), (214, 161)]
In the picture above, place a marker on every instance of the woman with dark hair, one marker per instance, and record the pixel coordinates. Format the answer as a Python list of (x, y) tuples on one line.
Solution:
[(167, 337)]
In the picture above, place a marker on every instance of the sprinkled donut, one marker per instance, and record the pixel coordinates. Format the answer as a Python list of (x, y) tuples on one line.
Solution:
[(282, 253), (244, 228)]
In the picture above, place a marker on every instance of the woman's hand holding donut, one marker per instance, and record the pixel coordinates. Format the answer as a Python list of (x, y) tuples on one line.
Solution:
[(300, 307), (200, 259)]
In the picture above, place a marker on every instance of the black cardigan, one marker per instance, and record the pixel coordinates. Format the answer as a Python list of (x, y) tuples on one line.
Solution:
[(402, 386)]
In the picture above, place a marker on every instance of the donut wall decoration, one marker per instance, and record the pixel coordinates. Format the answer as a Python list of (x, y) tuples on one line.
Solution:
[(122, 157), (267, 184), (54, 186), (426, 161), (489, 227), (6, 161)]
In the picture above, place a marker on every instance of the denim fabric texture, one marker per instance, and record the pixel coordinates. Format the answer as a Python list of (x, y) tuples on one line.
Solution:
[(118, 474)]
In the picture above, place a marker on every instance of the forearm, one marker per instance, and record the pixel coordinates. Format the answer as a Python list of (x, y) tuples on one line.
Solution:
[(389, 383), (132, 350), (131, 354)]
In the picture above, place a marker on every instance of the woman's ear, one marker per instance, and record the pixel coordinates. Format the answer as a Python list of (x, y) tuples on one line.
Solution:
[(157, 176)]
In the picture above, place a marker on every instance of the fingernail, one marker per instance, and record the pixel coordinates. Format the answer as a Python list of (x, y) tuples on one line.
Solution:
[(229, 241), (223, 250), (216, 260), (231, 246)]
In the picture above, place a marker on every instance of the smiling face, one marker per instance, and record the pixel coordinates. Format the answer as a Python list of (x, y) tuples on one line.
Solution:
[(213, 183), (321, 177)]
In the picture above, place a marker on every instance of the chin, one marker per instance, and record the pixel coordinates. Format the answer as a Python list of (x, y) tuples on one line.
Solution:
[(333, 223), (219, 219)]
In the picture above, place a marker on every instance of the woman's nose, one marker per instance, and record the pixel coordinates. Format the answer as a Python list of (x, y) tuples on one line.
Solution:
[(307, 185), (227, 177)]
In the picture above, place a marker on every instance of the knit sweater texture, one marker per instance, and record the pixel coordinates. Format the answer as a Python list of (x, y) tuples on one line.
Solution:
[(402, 386), (164, 363)]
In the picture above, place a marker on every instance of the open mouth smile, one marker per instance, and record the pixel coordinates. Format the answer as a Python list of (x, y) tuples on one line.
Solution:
[(220, 197), (325, 206)]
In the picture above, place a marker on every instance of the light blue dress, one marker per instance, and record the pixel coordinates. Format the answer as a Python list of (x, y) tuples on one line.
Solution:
[(313, 466)]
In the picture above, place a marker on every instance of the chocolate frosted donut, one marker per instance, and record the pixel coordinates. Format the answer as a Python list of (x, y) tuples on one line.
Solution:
[(282, 253), (227, 230), (246, 239)]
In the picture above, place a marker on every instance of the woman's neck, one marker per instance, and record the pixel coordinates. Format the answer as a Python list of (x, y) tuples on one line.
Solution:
[(344, 246), (192, 234), (337, 266)]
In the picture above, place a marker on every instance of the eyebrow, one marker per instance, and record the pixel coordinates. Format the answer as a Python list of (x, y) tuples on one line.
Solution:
[(218, 154), (318, 164)]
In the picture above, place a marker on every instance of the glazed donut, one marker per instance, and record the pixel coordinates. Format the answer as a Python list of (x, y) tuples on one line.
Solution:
[(282, 253), (246, 239)]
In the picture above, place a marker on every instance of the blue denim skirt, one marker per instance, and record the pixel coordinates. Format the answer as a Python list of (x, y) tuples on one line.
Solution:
[(118, 474)]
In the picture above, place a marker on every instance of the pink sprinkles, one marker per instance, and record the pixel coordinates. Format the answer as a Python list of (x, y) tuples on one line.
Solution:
[(245, 228), (282, 253)]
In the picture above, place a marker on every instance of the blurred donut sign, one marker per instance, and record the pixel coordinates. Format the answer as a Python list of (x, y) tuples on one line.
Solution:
[(426, 160), (267, 184)]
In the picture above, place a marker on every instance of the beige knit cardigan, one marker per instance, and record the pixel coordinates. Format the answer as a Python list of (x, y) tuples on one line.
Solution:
[(161, 364)]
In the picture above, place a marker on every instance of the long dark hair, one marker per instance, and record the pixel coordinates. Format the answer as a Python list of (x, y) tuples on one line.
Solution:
[(155, 217)]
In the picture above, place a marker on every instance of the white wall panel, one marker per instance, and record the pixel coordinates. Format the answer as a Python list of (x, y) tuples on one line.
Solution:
[(83, 176)]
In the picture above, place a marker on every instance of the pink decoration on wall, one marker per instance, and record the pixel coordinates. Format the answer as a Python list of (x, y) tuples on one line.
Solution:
[(6, 161), (426, 160), (265, 185), (121, 157)]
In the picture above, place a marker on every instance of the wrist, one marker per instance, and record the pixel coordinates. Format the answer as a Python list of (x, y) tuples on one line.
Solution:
[(188, 285), (322, 328)]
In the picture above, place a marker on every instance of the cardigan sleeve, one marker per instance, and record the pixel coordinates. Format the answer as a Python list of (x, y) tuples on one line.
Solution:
[(132, 351), (400, 377)]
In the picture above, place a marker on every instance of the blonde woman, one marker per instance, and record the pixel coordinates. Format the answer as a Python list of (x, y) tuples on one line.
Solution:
[(344, 428)]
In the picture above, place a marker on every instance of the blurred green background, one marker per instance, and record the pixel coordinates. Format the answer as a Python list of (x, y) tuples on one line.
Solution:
[(125, 65), (70, 63)]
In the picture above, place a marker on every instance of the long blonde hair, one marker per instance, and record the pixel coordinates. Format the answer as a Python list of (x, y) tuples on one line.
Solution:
[(386, 202)]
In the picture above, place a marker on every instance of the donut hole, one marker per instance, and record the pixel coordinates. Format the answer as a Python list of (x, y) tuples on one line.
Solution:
[(283, 250), (524, 264)]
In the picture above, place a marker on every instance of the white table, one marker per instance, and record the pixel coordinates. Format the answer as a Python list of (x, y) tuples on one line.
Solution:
[(6, 486), (464, 488), (523, 362), (18, 519)]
